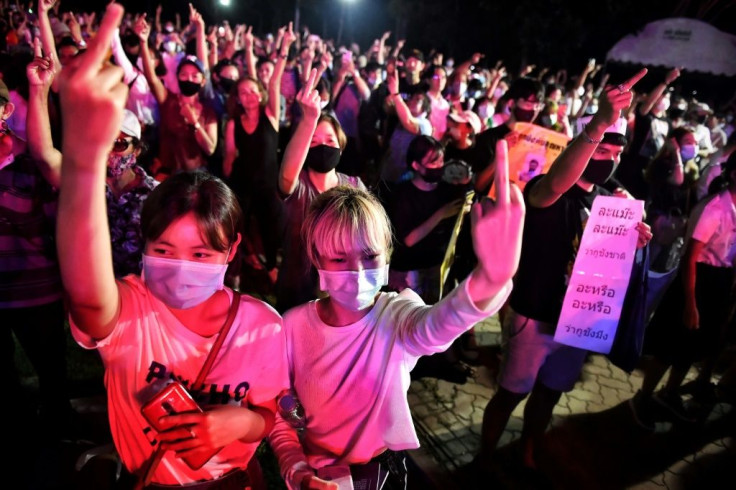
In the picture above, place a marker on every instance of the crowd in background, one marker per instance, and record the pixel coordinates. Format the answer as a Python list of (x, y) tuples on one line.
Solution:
[(282, 118)]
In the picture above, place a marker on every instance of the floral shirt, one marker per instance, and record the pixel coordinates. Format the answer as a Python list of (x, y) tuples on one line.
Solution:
[(124, 218)]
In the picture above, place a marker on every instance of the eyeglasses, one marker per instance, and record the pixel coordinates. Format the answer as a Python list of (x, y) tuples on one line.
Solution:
[(121, 144)]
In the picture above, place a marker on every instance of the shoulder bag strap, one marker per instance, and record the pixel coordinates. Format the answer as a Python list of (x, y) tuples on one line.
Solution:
[(158, 454)]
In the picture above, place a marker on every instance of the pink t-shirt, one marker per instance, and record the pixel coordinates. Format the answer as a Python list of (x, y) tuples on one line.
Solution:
[(149, 346)]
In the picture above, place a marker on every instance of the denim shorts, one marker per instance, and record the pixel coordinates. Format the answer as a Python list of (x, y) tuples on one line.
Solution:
[(530, 354)]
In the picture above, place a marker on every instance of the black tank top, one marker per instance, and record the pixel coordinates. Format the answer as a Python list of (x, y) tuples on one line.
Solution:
[(257, 164)]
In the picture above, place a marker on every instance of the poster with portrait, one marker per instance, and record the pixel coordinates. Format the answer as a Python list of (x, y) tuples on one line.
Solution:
[(532, 150)]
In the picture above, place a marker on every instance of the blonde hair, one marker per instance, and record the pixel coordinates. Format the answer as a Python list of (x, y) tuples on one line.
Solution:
[(343, 216)]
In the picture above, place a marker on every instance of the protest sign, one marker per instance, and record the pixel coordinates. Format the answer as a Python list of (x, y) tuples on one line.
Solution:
[(595, 293), (532, 151)]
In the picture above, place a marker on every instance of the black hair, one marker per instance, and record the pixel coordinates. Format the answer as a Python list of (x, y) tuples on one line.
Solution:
[(525, 87), (420, 147), (213, 203)]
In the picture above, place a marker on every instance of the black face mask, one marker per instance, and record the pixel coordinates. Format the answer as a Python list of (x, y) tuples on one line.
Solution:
[(226, 85), (188, 88), (130, 41), (599, 171), (433, 175), (523, 115), (322, 158)]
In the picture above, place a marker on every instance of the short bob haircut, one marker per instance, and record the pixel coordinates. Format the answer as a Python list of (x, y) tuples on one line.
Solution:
[(342, 217), (213, 203)]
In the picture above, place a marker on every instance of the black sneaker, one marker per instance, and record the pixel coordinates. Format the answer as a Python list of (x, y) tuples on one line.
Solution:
[(672, 402), (641, 409)]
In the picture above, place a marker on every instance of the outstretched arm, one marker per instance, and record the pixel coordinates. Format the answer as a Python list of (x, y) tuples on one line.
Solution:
[(92, 95), (41, 73), (273, 110), (298, 147), (569, 166)]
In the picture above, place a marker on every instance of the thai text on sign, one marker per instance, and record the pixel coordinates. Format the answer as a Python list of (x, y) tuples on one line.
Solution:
[(595, 294)]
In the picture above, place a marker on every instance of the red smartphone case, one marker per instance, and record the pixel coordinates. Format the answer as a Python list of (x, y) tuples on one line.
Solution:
[(174, 399)]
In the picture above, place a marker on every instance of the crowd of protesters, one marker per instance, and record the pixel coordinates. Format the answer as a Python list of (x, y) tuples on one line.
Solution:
[(152, 169)]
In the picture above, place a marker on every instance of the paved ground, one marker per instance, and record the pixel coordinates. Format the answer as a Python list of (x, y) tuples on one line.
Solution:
[(593, 441)]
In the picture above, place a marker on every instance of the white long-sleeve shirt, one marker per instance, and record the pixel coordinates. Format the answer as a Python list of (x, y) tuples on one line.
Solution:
[(352, 381)]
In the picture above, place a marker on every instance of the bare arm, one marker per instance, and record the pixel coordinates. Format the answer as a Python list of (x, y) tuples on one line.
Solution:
[(41, 73), (231, 151), (569, 166), (196, 19), (691, 315), (447, 211), (298, 147), (143, 30), (273, 109), (92, 95), (250, 59), (407, 120), (647, 103)]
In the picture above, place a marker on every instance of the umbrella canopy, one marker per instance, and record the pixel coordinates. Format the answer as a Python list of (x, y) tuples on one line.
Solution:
[(679, 42)]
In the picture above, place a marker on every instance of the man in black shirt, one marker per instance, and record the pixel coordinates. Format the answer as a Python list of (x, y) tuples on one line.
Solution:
[(557, 207), (527, 96)]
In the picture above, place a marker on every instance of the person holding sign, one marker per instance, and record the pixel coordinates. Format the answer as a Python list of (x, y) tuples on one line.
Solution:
[(558, 204), (350, 353)]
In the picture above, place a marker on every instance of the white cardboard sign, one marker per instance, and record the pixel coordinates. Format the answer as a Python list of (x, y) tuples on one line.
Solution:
[(595, 294)]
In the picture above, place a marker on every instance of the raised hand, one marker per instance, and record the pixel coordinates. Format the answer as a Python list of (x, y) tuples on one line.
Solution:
[(289, 36), (615, 99), (308, 98), (93, 95), (672, 75), (195, 17), (42, 70), (45, 5), (497, 227), (142, 29)]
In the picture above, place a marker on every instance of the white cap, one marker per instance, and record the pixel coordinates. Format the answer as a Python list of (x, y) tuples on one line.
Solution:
[(130, 126)]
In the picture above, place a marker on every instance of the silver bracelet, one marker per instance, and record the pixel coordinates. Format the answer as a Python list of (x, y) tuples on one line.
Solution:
[(588, 139)]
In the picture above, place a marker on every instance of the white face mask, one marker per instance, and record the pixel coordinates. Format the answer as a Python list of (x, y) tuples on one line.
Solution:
[(485, 111), (182, 284), (170, 46), (353, 290)]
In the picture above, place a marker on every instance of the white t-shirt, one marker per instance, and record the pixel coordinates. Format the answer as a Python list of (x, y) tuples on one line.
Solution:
[(438, 116), (713, 222), (352, 381), (149, 346)]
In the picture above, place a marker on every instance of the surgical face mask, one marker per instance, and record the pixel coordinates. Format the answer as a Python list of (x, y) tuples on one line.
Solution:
[(552, 119), (662, 105), (188, 88), (323, 103), (498, 93), (182, 284), (688, 152), (117, 164), (592, 108), (322, 158), (353, 290), (433, 175), (599, 171), (485, 111), (170, 46)]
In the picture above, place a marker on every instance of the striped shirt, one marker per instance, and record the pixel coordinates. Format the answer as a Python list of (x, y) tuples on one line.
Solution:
[(29, 270)]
